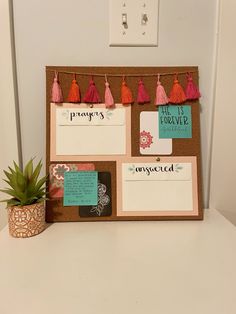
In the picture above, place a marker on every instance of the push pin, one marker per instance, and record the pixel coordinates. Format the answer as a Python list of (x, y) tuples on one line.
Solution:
[(158, 159)]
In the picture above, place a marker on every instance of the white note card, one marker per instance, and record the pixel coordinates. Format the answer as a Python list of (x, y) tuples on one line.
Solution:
[(90, 131), (150, 143), (157, 187)]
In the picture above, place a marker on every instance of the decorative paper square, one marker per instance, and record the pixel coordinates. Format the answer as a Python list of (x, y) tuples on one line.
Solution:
[(175, 121), (104, 206), (80, 188), (150, 143), (56, 176)]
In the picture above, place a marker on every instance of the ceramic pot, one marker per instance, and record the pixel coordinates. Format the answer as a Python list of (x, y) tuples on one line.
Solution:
[(26, 221)]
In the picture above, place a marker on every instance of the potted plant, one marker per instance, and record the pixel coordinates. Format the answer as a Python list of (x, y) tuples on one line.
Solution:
[(26, 211)]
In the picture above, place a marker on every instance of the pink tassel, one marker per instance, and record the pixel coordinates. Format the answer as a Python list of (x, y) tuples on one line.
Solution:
[(109, 101), (92, 95), (143, 96), (191, 91), (161, 97), (56, 94)]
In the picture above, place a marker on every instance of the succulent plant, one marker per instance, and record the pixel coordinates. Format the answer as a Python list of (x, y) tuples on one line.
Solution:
[(25, 186)]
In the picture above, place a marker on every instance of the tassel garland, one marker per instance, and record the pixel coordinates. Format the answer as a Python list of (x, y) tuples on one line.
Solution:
[(74, 92), (177, 95), (143, 96), (92, 95), (56, 93), (126, 94), (161, 97), (191, 91), (109, 101)]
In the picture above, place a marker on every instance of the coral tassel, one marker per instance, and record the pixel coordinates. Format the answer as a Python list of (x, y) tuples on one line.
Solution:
[(126, 94), (143, 96), (161, 97), (56, 93), (109, 101), (177, 95), (191, 91), (92, 95), (74, 92)]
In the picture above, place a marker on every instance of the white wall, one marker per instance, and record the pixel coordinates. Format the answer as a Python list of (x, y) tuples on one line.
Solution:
[(223, 173), (8, 130), (75, 32)]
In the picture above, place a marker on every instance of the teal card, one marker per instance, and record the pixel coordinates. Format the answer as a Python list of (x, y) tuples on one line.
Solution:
[(175, 121), (80, 188)]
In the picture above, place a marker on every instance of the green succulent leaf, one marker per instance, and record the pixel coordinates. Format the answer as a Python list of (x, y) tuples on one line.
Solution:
[(28, 171), (21, 180), (17, 168), (8, 175), (36, 172), (41, 182), (12, 171), (9, 183), (25, 185), (12, 178), (12, 202), (10, 192)]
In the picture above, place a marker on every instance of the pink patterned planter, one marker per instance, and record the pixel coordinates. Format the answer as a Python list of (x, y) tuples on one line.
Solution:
[(26, 221)]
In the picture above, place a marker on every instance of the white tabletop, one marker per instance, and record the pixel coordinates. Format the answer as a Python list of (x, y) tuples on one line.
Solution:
[(121, 268)]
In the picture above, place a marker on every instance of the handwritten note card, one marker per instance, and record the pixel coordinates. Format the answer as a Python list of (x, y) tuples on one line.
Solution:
[(80, 188), (175, 121)]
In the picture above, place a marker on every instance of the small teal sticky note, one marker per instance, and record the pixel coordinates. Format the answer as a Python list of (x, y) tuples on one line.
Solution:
[(175, 121), (80, 188)]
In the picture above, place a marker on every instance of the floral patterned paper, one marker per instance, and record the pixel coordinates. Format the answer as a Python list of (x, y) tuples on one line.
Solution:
[(104, 206), (56, 176)]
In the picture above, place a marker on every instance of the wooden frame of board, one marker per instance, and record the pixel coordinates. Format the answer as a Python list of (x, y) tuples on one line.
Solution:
[(184, 150)]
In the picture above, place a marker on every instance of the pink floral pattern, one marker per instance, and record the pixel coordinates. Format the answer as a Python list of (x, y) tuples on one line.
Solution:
[(145, 139), (57, 171)]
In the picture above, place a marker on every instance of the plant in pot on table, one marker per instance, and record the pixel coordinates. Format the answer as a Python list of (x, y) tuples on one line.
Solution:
[(26, 210)]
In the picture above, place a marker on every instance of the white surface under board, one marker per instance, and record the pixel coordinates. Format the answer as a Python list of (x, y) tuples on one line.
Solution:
[(178, 267)]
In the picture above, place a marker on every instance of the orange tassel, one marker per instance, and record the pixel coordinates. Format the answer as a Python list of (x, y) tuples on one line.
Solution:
[(126, 94), (74, 92), (177, 95)]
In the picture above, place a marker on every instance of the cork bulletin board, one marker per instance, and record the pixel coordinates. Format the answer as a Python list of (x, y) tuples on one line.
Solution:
[(161, 181)]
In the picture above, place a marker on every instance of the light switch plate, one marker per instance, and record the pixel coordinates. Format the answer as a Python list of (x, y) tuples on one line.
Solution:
[(133, 22)]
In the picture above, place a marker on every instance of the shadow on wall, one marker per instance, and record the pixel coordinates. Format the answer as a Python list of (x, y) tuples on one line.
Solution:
[(230, 215)]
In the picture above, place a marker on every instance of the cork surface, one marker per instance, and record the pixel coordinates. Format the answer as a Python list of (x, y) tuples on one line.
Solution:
[(181, 147)]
